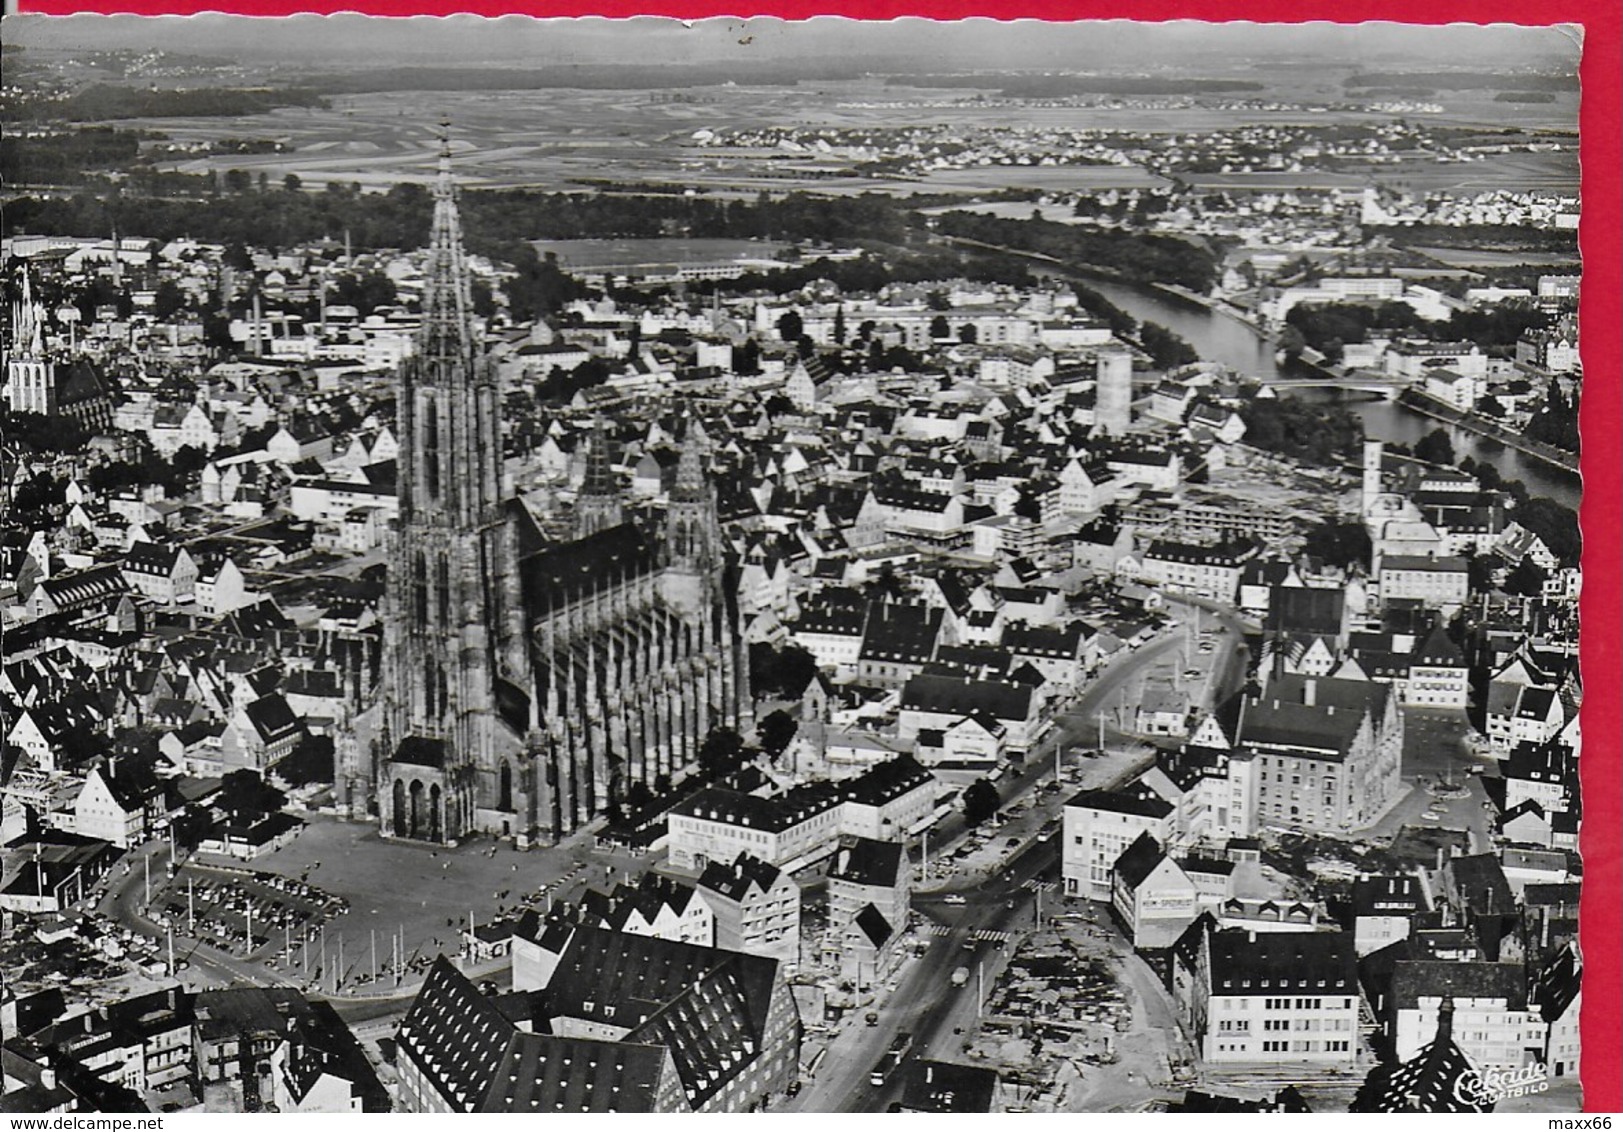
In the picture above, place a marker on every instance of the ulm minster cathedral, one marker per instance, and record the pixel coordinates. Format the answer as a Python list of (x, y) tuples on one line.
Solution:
[(525, 686)]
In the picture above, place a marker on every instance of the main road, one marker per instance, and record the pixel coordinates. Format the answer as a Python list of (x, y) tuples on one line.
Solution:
[(924, 1003), (969, 923), (1073, 727)]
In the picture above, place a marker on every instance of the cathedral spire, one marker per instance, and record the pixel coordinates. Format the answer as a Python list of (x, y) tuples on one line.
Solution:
[(599, 473), (692, 483), (447, 298), (598, 506), (692, 533)]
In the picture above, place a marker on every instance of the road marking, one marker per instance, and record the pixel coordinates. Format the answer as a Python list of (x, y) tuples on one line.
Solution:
[(985, 935)]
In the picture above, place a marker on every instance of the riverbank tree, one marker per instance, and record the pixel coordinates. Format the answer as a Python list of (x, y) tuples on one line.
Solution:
[(1330, 327)]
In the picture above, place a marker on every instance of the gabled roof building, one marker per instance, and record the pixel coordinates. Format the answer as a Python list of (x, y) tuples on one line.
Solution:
[(625, 1024)]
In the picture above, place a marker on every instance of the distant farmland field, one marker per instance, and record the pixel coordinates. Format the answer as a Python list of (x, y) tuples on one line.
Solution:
[(590, 255), (567, 139), (1474, 257)]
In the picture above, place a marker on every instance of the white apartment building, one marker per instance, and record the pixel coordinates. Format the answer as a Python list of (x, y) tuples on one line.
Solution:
[(1098, 827), (1268, 998)]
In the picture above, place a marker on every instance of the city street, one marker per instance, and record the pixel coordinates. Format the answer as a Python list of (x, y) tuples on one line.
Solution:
[(925, 1003)]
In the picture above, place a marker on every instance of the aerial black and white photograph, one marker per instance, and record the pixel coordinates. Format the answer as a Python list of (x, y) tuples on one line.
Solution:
[(578, 565)]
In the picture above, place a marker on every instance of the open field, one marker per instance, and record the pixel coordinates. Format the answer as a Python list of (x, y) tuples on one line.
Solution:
[(586, 255), (566, 139), (1508, 172), (1472, 257)]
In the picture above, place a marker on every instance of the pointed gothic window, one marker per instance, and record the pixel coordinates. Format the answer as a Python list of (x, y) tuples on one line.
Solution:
[(419, 587), (431, 447)]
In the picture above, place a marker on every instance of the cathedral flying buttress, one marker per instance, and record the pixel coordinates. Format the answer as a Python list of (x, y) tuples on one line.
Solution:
[(525, 692)]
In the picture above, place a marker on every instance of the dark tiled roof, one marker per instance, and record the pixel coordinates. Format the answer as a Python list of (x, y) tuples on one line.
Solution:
[(967, 697), (272, 717), (482, 1062), (1143, 805), (558, 576), (1426, 1082), (1260, 963), (1295, 609), (1229, 554), (323, 1044), (1046, 641), (887, 781), (1279, 723), (1286, 1100), (1414, 979), (708, 1007), (868, 862), (85, 587), (898, 632), (547, 1073), (1139, 860), (1387, 896), (1558, 984), (733, 881), (871, 922), (1479, 884)]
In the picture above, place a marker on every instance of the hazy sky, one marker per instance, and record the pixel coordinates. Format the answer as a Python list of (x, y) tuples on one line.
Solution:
[(1027, 44)]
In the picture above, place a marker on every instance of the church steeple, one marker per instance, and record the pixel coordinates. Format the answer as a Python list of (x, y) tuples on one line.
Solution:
[(692, 533), (454, 635), (447, 297), (598, 506), (28, 321), (692, 485), (30, 376)]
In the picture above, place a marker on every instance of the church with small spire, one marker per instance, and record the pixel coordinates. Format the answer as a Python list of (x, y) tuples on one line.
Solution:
[(527, 686), (71, 389), (30, 380)]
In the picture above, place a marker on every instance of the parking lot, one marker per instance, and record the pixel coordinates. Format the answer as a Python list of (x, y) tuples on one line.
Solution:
[(219, 906)]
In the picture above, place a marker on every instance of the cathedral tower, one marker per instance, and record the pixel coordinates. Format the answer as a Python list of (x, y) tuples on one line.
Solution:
[(454, 686), (692, 530)]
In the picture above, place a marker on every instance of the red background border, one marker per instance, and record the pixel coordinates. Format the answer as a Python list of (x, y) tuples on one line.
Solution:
[(1601, 239)]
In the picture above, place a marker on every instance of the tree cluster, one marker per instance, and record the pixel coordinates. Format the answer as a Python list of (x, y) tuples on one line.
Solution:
[(1133, 256), (1339, 543), (67, 158), (1327, 435), (1167, 349), (106, 102), (1556, 422), (245, 797), (780, 673), (1330, 327)]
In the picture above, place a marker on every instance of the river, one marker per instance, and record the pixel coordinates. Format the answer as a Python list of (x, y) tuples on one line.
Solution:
[(1220, 338)]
